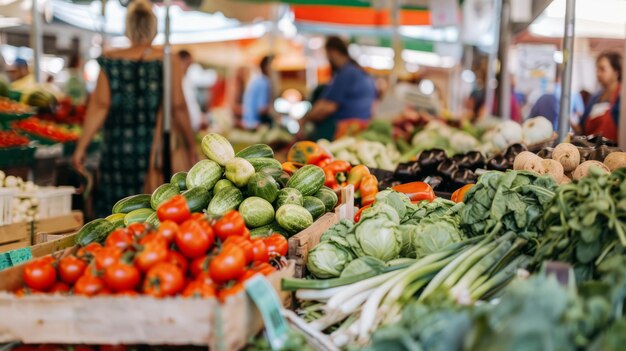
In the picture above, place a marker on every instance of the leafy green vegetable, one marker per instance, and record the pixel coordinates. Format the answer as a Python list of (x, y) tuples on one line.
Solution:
[(435, 234), (340, 229), (327, 260), (377, 237), (362, 265)]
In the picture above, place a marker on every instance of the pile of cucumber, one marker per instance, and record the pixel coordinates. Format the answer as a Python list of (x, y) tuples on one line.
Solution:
[(251, 181)]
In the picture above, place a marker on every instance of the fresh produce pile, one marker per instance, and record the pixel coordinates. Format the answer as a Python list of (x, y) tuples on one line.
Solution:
[(45, 130), (196, 258), (12, 139), (66, 112), (567, 162), (11, 107), (372, 154), (251, 181), (23, 208)]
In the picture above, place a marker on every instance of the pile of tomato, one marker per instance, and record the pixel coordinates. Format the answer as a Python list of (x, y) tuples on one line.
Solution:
[(12, 139), (196, 258), (11, 107), (46, 130), (66, 112)]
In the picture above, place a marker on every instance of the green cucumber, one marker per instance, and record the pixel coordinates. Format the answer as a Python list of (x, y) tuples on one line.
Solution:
[(315, 206), (138, 216), (239, 171), (131, 203), (289, 196), (279, 176), (117, 219), (217, 148), (180, 180), (328, 197), (224, 201), (256, 212), (205, 174), (261, 163), (153, 220), (198, 198), (293, 218), (308, 179), (268, 230), (221, 184), (264, 186), (94, 232), (256, 151), (163, 193)]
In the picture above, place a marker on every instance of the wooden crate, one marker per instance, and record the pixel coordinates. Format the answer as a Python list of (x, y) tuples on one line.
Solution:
[(70, 223), (129, 320), (15, 236), (301, 243)]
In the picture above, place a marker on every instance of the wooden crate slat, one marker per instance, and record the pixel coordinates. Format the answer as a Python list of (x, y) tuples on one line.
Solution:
[(14, 245), (61, 224), (15, 232)]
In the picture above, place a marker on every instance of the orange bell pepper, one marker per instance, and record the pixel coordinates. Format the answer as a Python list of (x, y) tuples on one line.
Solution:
[(416, 191), (459, 194), (368, 189), (290, 167), (336, 174), (356, 176), (306, 152)]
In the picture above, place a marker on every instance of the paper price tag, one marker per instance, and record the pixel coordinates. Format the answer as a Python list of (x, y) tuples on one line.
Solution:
[(5, 261), (20, 255), (268, 303)]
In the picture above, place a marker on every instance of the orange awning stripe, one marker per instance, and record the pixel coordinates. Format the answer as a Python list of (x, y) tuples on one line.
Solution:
[(362, 16)]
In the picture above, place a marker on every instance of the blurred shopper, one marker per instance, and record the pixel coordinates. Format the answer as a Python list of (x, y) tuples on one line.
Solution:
[(127, 105), (20, 75), (350, 94), (75, 86), (549, 106), (257, 98), (189, 90), (236, 90), (602, 113)]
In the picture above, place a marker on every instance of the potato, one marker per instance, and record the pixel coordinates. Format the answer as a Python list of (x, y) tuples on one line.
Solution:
[(567, 155), (583, 169), (615, 160), (554, 169), (522, 158)]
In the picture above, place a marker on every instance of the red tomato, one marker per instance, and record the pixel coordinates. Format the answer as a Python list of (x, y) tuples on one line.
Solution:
[(193, 240), (59, 288), (152, 252), (263, 268), (121, 276), (164, 279), (198, 217), (204, 277), (174, 209), (88, 285), (246, 233), (230, 224), (168, 229), (223, 294), (259, 250), (243, 243), (230, 264), (120, 238), (179, 260), (89, 250), (199, 265), (276, 245), (71, 268), (153, 237), (198, 289), (137, 229), (40, 274), (247, 275), (107, 256)]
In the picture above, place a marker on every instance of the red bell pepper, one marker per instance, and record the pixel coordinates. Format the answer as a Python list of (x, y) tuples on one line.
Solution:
[(416, 191), (459, 194), (336, 174), (357, 216)]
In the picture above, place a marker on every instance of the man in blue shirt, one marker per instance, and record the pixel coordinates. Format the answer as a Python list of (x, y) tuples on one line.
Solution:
[(350, 94), (258, 97)]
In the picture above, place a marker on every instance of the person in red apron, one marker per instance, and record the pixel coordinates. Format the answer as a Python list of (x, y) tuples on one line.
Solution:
[(602, 113)]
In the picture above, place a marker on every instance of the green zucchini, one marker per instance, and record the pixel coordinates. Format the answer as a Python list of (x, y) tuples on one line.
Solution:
[(95, 231), (289, 196), (256, 151), (163, 193), (256, 212), (261, 163), (131, 203), (198, 198), (264, 186), (315, 206), (293, 218), (328, 197), (180, 180), (308, 179), (138, 216), (205, 174), (224, 201)]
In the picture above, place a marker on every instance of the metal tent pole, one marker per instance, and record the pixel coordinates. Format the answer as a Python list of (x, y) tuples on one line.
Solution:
[(167, 94), (490, 88), (35, 40), (568, 62), (396, 43), (504, 104)]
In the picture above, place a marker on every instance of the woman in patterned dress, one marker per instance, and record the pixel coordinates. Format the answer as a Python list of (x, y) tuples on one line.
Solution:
[(126, 104)]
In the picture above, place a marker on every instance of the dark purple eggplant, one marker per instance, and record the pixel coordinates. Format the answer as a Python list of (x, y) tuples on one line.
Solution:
[(599, 140), (600, 153), (407, 171), (499, 163), (446, 168), (585, 153), (430, 159), (457, 158), (464, 176), (546, 152), (514, 150), (434, 182), (472, 160), (388, 183), (581, 141)]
